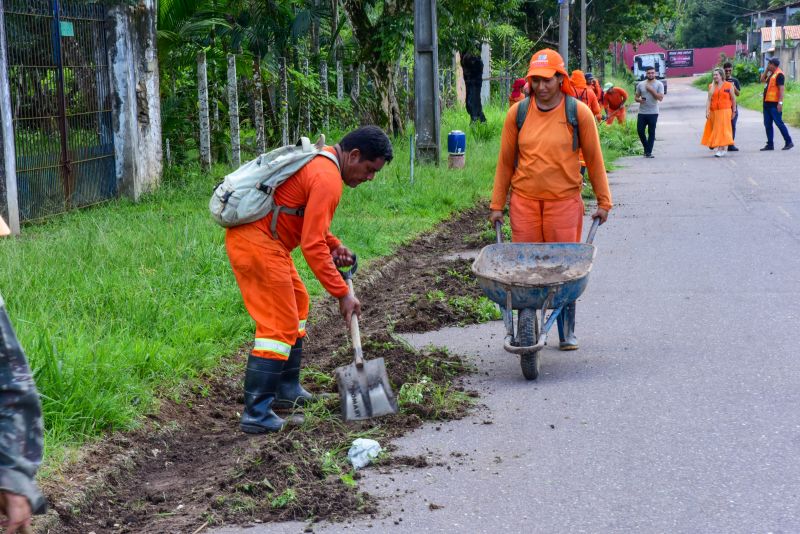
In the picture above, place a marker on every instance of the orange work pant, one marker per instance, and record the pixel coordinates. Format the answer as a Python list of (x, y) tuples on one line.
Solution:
[(272, 291), (546, 221), (616, 114)]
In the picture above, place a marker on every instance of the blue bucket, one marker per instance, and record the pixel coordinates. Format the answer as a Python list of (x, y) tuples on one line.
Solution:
[(456, 142)]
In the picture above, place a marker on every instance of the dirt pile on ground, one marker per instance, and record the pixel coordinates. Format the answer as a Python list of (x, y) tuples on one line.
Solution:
[(190, 465)]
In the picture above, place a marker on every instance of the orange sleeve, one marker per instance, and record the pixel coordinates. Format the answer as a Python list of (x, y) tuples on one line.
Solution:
[(624, 95), (505, 160), (316, 239), (332, 241), (593, 156)]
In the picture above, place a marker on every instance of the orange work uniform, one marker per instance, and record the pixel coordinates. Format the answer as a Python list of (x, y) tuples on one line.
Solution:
[(594, 85), (546, 204), (718, 130), (272, 291), (614, 102)]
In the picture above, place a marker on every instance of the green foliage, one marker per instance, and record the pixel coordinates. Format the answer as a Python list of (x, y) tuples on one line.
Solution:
[(284, 499), (484, 131), (481, 309)]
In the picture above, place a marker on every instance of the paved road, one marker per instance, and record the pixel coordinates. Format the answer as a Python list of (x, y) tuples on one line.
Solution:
[(681, 411)]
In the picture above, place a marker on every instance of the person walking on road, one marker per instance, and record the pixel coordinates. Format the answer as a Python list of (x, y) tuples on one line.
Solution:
[(720, 107), (649, 92), (614, 99), (539, 163), (21, 430), (774, 86), (737, 87), (273, 293)]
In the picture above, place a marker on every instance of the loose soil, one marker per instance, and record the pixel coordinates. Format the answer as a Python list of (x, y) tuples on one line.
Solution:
[(190, 465)]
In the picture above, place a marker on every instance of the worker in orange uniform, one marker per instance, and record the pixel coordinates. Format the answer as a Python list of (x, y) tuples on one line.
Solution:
[(584, 93), (614, 102), (273, 293), (594, 84), (517, 91), (540, 166)]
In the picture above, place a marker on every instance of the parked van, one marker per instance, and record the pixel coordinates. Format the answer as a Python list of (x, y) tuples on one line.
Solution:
[(657, 60)]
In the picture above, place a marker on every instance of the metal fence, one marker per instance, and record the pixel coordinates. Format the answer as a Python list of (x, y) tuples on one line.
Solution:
[(61, 105)]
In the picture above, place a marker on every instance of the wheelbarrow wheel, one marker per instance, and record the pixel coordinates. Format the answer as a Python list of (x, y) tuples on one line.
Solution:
[(526, 335)]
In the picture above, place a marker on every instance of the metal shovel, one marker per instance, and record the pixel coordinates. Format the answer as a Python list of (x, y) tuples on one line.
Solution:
[(364, 388)]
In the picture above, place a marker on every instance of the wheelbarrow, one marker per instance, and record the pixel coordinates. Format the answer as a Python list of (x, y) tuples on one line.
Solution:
[(533, 278)]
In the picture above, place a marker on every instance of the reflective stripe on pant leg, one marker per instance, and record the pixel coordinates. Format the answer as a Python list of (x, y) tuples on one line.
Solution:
[(278, 350), (263, 270), (526, 219), (563, 220)]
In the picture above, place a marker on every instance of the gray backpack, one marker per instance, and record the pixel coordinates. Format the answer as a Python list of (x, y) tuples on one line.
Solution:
[(248, 193)]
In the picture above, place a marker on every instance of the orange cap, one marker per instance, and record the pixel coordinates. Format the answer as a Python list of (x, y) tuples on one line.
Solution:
[(578, 79), (547, 63)]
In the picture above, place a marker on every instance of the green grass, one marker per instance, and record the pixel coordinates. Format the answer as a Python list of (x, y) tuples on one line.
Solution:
[(120, 304)]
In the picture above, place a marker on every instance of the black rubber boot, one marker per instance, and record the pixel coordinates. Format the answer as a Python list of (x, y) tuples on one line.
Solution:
[(261, 381), (290, 393), (566, 328)]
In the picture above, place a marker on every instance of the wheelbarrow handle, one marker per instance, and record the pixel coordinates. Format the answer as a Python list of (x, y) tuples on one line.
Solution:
[(593, 230), (498, 230)]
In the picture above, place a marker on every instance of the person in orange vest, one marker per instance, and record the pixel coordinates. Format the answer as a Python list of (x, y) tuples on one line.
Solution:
[(594, 83), (720, 107), (517, 92), (614, 101), (584, 93), (273, 293), (540, 167), (774, 86)]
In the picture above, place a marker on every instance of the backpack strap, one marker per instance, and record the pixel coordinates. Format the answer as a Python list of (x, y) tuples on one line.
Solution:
[(570, 108), (300, 211)]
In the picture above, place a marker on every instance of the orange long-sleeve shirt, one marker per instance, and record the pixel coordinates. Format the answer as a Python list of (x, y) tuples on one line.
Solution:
[(548, 167), (318, 187), (615, 98)]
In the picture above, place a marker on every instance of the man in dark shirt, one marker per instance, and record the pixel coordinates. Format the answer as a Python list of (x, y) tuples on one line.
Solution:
[(774, 80), (728, 68), (473, 80)]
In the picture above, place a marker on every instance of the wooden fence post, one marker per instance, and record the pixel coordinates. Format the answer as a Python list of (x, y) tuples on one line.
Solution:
[(205, 126), (283, 104), (323, 79), (308, 99), (233, 112), (258, 106)]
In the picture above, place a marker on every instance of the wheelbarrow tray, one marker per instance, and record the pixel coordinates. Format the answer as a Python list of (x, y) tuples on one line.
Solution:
[(532, 271)]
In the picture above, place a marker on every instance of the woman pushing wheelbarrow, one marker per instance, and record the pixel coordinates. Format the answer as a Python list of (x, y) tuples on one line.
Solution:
[(539, 160)]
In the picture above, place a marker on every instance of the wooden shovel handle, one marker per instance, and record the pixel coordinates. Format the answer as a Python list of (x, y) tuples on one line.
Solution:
[(355, 333)]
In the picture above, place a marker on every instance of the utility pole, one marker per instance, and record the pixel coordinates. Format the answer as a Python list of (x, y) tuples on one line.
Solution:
[(563, 31), (426, 80), (583, 35)]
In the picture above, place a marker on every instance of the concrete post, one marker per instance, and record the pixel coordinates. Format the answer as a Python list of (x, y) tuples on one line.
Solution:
[(7, 134), (563, 31), (486, 58), (426, 87), (137, 105)]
